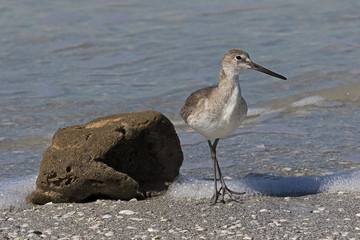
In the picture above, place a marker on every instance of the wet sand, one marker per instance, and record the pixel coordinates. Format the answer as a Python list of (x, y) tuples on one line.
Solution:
[(319, 216)]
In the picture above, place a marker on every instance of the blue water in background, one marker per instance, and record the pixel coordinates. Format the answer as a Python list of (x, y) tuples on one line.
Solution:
[(64, 63)]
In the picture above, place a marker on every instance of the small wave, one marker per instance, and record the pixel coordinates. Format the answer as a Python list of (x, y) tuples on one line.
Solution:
[(60, 19), (273, 128), (112, 4), (49, 91), (268, 115), (312, 100), (11, 92), (316, 101), (245, 6), (66, 45), (106, 21), (110, 61), (252, 112)]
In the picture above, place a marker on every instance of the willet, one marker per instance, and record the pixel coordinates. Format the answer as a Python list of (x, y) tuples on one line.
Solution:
[(216, 112)]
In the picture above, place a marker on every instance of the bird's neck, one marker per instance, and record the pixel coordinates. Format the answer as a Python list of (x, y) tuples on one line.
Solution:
[(229, 80)]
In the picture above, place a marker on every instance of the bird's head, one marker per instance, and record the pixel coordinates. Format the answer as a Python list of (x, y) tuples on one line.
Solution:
[(236, 60)]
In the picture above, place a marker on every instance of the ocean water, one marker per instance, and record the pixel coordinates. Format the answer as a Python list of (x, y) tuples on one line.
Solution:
[(66, 63)]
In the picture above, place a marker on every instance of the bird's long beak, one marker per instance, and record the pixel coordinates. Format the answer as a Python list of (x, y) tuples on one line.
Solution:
[(267, 71)]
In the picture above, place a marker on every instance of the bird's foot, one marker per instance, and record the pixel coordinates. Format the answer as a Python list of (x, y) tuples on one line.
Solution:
[(225, 190), (231, 192), (215, 198)]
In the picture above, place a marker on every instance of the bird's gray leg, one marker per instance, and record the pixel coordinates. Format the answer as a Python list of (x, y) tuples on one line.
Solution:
[(213, 157), (223, 189)]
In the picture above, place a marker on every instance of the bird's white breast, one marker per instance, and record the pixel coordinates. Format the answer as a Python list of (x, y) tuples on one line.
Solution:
[(220, 116)]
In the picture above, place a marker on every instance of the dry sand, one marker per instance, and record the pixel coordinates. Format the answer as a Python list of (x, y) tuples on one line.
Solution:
[(319, 216)]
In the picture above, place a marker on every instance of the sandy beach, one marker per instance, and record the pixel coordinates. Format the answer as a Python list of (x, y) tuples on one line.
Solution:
[(319, 216)]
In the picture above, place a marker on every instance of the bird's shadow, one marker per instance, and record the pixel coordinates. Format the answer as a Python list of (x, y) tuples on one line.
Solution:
[(281, 186), (296, 186)]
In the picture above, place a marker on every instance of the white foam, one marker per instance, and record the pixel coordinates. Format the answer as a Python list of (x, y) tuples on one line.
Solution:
[(14, 190), (191, 188)]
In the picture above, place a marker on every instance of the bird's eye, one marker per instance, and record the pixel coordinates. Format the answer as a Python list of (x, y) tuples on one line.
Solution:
[(238, 57)]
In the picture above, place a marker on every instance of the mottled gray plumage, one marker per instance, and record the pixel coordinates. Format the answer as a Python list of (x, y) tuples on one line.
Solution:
[(193, 101)]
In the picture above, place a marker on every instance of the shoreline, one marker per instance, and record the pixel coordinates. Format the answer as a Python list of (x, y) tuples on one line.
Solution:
[(320, 216)]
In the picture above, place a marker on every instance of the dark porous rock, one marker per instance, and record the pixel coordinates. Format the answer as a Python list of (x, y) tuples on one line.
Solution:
[(120, 156)]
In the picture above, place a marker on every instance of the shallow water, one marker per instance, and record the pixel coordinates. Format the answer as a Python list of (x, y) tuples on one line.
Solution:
[(67, 63)]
